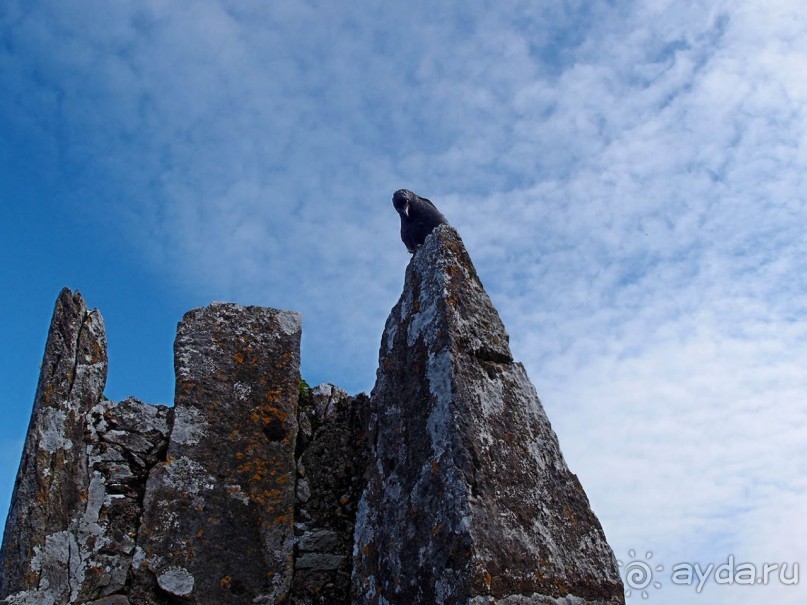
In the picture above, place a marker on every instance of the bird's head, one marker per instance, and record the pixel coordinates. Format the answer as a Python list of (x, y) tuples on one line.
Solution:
[(401, 200)]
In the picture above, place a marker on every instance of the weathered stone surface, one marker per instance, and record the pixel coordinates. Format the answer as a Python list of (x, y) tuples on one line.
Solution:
[(448, 487), (113, 600), (331, 458), (125, 441), (218, 522), (40, 560), (86, 462), (468, 498)]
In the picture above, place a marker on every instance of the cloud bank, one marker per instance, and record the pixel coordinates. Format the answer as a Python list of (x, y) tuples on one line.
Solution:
[(628, 177)]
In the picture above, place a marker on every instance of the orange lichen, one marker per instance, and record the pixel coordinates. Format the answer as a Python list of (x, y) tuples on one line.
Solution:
[(268, 414), (253, 466), (267, 497), (238, 357), (273, 395), (48, 392), (225, 582)]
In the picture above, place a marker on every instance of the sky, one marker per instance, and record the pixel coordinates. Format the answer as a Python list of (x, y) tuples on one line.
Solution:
[(628, 177)]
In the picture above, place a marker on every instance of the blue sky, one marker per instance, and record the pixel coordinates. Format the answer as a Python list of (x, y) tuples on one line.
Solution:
[(627, 176)]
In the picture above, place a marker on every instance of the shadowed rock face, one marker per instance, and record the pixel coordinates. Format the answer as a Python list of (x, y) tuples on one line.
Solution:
[(468, 498), (331, 458)]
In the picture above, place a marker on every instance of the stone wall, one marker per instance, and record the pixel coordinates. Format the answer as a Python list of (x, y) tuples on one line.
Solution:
[(133, 503), (445, 486), (331, 459)]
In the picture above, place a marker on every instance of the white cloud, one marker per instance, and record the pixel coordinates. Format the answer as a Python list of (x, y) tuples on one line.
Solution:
[(628, 178)]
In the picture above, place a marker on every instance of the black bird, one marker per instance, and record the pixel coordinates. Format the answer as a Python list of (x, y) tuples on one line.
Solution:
[(418, 217)]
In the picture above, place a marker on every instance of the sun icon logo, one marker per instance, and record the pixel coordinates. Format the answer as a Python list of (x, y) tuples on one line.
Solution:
[(638, 574)]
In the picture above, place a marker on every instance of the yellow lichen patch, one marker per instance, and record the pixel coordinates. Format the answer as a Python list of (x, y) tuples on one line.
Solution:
[(267, 414), (238, 357), (281, 519), (273, 395), (267, 497), (97, 352), (570, 516), (46, 395), (254, 466), (278, 413), (225, 582)]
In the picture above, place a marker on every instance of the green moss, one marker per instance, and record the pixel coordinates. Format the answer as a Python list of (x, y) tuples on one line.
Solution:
[(304, 388)]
